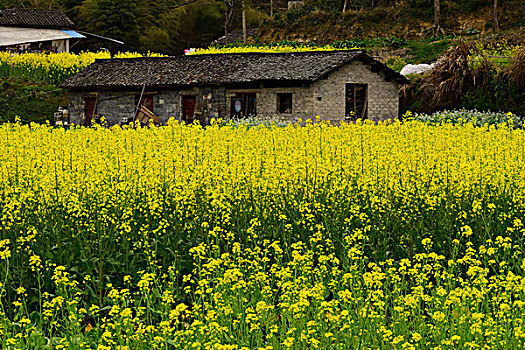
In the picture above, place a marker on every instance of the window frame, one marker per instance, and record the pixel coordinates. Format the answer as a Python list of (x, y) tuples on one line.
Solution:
[(248, 102), (362, 107), (280, 105)]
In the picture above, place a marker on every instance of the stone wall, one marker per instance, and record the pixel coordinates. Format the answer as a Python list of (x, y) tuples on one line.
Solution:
[(329, 93), (76, 106), (325, 97), (115, 105), (267, 101)]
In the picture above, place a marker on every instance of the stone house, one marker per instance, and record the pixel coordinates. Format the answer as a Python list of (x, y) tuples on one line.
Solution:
[(336, 85)]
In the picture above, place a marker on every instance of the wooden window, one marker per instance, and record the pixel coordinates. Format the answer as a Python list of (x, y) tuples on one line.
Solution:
[(284, 103), (243, 104), (356, 101)]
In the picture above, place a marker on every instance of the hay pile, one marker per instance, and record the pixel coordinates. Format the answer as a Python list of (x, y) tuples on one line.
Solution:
[(466, 77)]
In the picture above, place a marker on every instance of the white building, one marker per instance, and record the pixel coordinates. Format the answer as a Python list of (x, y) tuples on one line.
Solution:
[(34, 30)]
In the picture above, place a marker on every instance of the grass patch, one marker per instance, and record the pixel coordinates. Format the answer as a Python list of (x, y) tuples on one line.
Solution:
[(29, 100)]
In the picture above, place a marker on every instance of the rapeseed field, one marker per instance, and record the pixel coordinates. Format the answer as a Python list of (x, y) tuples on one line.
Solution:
[(361, 236), (54, 68)]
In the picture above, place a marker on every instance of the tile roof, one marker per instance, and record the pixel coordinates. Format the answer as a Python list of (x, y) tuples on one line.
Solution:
[(217, 69), (22, 17)]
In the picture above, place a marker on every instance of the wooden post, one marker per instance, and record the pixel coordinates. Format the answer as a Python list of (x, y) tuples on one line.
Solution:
[(137, 108)]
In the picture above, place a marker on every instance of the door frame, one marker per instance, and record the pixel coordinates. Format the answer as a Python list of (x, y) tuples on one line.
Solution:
[(87, 121), (182, 114), (364, 112)]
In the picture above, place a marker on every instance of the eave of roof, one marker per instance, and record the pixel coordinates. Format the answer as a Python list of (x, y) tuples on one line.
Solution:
[(231, 85), (15, 36)]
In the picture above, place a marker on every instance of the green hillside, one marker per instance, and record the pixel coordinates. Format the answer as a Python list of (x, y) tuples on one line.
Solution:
[(169, 26), (410, 20)]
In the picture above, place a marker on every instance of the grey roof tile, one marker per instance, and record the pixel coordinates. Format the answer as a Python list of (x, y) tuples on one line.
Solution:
[(217, 69), (23, 17)]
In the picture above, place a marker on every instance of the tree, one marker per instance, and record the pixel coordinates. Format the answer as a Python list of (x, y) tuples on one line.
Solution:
[(243, 21), (202, 24), (496, 21), (437, 18), (229, 8), (155, 39), (114, 19)]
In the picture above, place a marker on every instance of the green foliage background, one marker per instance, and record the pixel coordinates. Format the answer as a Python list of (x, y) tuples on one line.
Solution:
[(169, 26), (31, 101)]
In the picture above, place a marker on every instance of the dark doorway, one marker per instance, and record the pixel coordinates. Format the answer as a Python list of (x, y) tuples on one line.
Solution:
[(356, 101), (90, 109), (188, 108), (243, 105), (147, 101)]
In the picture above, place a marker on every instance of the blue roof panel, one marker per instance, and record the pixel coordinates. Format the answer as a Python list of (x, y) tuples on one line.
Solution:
[(73, 34)]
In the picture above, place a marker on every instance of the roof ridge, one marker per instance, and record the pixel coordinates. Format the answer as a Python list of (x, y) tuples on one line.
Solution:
[(228, 54)]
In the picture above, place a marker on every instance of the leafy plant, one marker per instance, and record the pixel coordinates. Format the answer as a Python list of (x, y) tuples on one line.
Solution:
[(471, 31)]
